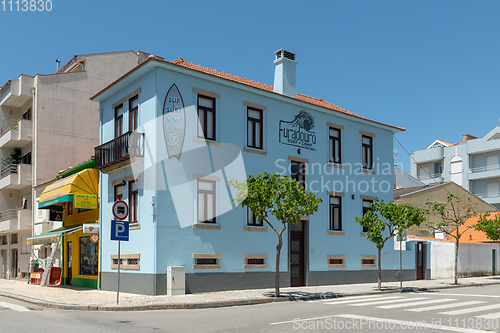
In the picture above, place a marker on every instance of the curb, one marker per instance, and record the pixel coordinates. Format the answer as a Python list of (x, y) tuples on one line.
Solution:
[(219, 304)]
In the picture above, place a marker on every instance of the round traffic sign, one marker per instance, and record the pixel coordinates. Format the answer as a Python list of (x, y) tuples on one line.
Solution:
[(120, 210)]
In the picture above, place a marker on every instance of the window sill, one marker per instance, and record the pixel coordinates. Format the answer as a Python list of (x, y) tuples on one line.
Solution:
[(206, 226), (136, 267), (335, 165), (369, 266), (206, 266), (368, 171), (363, 234), (134, 226), (335, 233), (335, 266), (255, 266), (257, 229), (255, 151), (206, 142)]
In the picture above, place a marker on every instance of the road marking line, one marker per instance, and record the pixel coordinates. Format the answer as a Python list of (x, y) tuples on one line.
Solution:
[(490, 316), (476, 309), (473, 295), (408, 323), (444, 306), (393, 306), (389, 301), (297, 320), (362, 300), (14, 307), (349, 298)]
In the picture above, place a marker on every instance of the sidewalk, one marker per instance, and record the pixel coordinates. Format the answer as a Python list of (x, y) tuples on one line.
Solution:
[(73, 298)]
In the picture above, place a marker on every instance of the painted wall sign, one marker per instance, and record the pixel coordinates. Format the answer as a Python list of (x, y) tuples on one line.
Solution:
[(85, 201), (174, 122), (298, 132), (90, 228)]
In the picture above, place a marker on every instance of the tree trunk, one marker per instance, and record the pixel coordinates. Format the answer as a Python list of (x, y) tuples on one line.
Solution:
[(455, 270), (379, 270), (277, 278)]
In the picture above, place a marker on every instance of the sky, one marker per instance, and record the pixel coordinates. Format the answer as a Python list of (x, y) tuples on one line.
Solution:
[(431, 67)]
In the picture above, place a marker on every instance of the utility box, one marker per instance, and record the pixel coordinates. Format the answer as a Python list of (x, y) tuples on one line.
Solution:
[(176, 280)]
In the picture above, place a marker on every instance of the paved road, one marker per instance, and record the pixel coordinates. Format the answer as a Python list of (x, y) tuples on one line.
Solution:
[(466, 310)]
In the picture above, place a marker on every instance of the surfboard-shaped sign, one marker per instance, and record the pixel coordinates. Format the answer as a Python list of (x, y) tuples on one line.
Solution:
[(174, 122)]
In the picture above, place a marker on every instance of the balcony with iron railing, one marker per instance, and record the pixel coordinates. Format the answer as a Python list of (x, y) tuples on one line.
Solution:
[(15, 219), (16, 133), (490, 197), (430, 176), (488, 171), (14, 176), (120, 153)]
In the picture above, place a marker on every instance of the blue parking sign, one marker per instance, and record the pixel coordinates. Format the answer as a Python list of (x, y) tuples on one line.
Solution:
[(119, 230)]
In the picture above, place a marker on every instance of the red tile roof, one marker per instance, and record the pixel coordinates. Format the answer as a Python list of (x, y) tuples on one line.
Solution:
[(472, 236), (303, 98)]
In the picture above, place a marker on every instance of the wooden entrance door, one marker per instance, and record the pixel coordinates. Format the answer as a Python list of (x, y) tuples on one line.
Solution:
[(420, 260), (297, 265)]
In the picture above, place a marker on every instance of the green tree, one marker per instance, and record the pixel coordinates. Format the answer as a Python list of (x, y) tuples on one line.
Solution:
[(490, 226), (273, 195), (388, 216), (452, 215)]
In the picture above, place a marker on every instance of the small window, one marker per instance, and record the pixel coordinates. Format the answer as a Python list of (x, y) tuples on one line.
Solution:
[(252, 220), (118, 120), (255, 261), (127, 261), (70, 208), (366, 208), (206, 261), (206, 201), (3, 240), (133, 116), (368, 261), (27, 114), (335, 213), (206, 117), (26, 158), (118, 192), (133, 201), (367, 151), (14, 239), (335, 145), (254, 128), (335, 262), (298, 173)]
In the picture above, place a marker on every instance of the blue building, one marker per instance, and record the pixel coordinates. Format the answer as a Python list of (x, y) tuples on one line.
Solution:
[(173, 134), (473, 164)]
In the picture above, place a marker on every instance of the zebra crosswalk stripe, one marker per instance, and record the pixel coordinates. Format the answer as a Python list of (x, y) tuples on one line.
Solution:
[(470, 310), (347, 301), (389, 301), (490, 316), (444, 306), (14, 307), (393, 306)]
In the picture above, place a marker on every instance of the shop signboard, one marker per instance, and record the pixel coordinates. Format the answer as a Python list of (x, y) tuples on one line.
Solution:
[(85, 201)]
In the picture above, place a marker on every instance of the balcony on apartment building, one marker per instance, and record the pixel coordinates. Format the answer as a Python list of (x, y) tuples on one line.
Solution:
[(120, 153), (428, 155), (16, 133), (15, 220), (431, 178), (14, 176), (488, 171), (491, 197), (16, 93)]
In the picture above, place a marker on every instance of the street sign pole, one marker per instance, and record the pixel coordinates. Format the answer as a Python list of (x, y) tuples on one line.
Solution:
[(118, 289)]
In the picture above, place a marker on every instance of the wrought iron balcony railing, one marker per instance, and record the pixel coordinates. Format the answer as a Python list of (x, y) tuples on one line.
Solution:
[(9, 214), (426, 176), (126, 146), (7, 167), (485, 168)]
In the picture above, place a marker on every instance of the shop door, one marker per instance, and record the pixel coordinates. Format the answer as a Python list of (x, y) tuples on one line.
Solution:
[(420, 261), (297, 266), (14, 260), (70, 261)]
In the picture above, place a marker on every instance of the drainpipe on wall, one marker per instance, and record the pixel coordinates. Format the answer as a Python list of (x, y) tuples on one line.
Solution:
[(33, 160)]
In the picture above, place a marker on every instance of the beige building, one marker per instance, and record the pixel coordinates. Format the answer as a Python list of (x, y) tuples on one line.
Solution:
[(418, 196), (47, 124)]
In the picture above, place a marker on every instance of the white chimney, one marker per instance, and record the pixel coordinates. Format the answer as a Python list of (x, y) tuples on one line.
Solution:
[(284, 72)]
